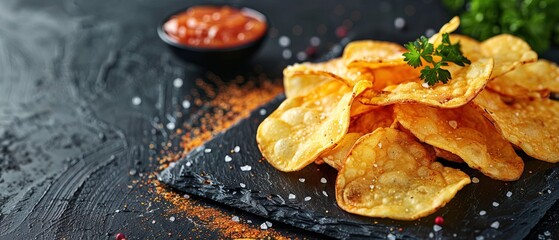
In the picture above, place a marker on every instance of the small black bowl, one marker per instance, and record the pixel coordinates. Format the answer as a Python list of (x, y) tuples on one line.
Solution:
[(215, 57)]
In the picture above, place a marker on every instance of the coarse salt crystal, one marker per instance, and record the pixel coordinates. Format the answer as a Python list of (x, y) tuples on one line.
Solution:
[(437, 228), (284, 41), (323, 180), (425, 85), (548, 191), (391, 236), (307, 198), (315, 41), (237, 149), (325, 193), (246, 168), (263, 226), (186, 104), (301, 56), (186, 196), (172, 219), (431, 235), (301, 180), (235, 219), (242, 185), (208, 150), (228, 158), (480, 238), (136, 101), (291, 196), (177, 83), (475, 180), (268, 223), (286, 54), (495, 204), (188, 164), (379, 145), (117, 211), (509, 194), (171, 125), (547, 233), (153, 222), (495, 224), (482, 212), (399, 23), (453, 124), (262, 112)]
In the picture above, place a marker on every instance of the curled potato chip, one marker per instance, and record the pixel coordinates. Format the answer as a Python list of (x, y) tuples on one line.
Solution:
[(389, 174), (447, 155), (508, 51), (361, 125), (529, 80), (373, 54), (470, 47), (532, 125), (465, 132), (301, 128), (465, 84), (300, 79), (449, 27)]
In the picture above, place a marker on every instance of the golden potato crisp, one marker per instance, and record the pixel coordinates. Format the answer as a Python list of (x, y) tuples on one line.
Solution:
[(449, 27), (447, 155), (529, 80), (359, 126), (463, 131), (470, 47), (465, 84), (532, 125), (299, 79), (301, 128), (508, 51), (373, 54), (389, 174)]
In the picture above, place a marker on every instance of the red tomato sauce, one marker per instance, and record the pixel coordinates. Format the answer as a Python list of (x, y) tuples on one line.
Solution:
[(215, 27)]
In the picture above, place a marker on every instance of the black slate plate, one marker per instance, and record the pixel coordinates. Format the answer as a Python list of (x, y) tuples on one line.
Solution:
[(265, 191)]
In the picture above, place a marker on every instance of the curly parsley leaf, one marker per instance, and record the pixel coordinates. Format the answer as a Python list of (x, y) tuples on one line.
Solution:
[(448, 52)]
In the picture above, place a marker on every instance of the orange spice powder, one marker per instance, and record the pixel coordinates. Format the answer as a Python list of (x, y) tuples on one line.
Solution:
[(231, 101)]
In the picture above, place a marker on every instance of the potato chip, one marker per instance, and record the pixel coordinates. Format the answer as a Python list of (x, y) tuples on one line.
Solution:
[(465, 132), (465, 84), (447, 155), (509, 52), (389, 174), (449, 27), (529, 80), (373, 54), (300, 79), (532, 125), (301, 128), (361, 125), (470, 47)]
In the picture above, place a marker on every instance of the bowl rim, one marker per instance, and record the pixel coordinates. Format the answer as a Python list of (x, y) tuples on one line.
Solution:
[(165, 37)]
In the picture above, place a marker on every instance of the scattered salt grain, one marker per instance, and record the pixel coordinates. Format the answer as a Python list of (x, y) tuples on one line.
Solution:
[(323, 180), (237, 149), (171, 125), (325, 193), (453, 124), (391, 236), (301, 56), (188, 164), (132, 172), (117, 211), (495, 204), (509, 194), (480, 238), (263, 226), (548, 191), (379, 145), (286, 54), (242, 185), (186, 196), (547, 233), (475, 180), (177, 83), (235, 219), (291, 196), (262, 112), (425, 85), (228, 158), (249, 221), (136, 101), (246, 168), (153, 222), (437, 228), (307, 199), (315, 41), (495, 225), (429, 32), (284, 41), (186, 104), (431, 235), (268, 223), (482, 212), (208, 150), (399, 23), (172, 218), (301, 180)]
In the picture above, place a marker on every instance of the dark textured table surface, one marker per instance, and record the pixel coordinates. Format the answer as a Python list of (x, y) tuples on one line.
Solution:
[(85, 85)]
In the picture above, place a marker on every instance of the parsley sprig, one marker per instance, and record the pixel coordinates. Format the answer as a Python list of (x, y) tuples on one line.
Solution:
[(423, 49)]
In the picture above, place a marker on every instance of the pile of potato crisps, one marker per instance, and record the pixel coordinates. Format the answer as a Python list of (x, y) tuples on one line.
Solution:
[(369, 115)]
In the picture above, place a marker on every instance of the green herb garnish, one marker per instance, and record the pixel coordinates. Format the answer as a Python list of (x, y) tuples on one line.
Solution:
[(535, 21), (423, 49)]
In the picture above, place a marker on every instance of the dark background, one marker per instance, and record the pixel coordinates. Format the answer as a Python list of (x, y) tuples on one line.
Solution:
[(70, 136)]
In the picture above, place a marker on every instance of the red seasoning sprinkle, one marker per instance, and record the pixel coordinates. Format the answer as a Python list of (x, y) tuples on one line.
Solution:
[(439, 220)]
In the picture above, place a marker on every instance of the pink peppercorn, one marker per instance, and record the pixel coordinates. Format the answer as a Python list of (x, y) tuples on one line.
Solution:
[(439, 220), (120, 236)]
